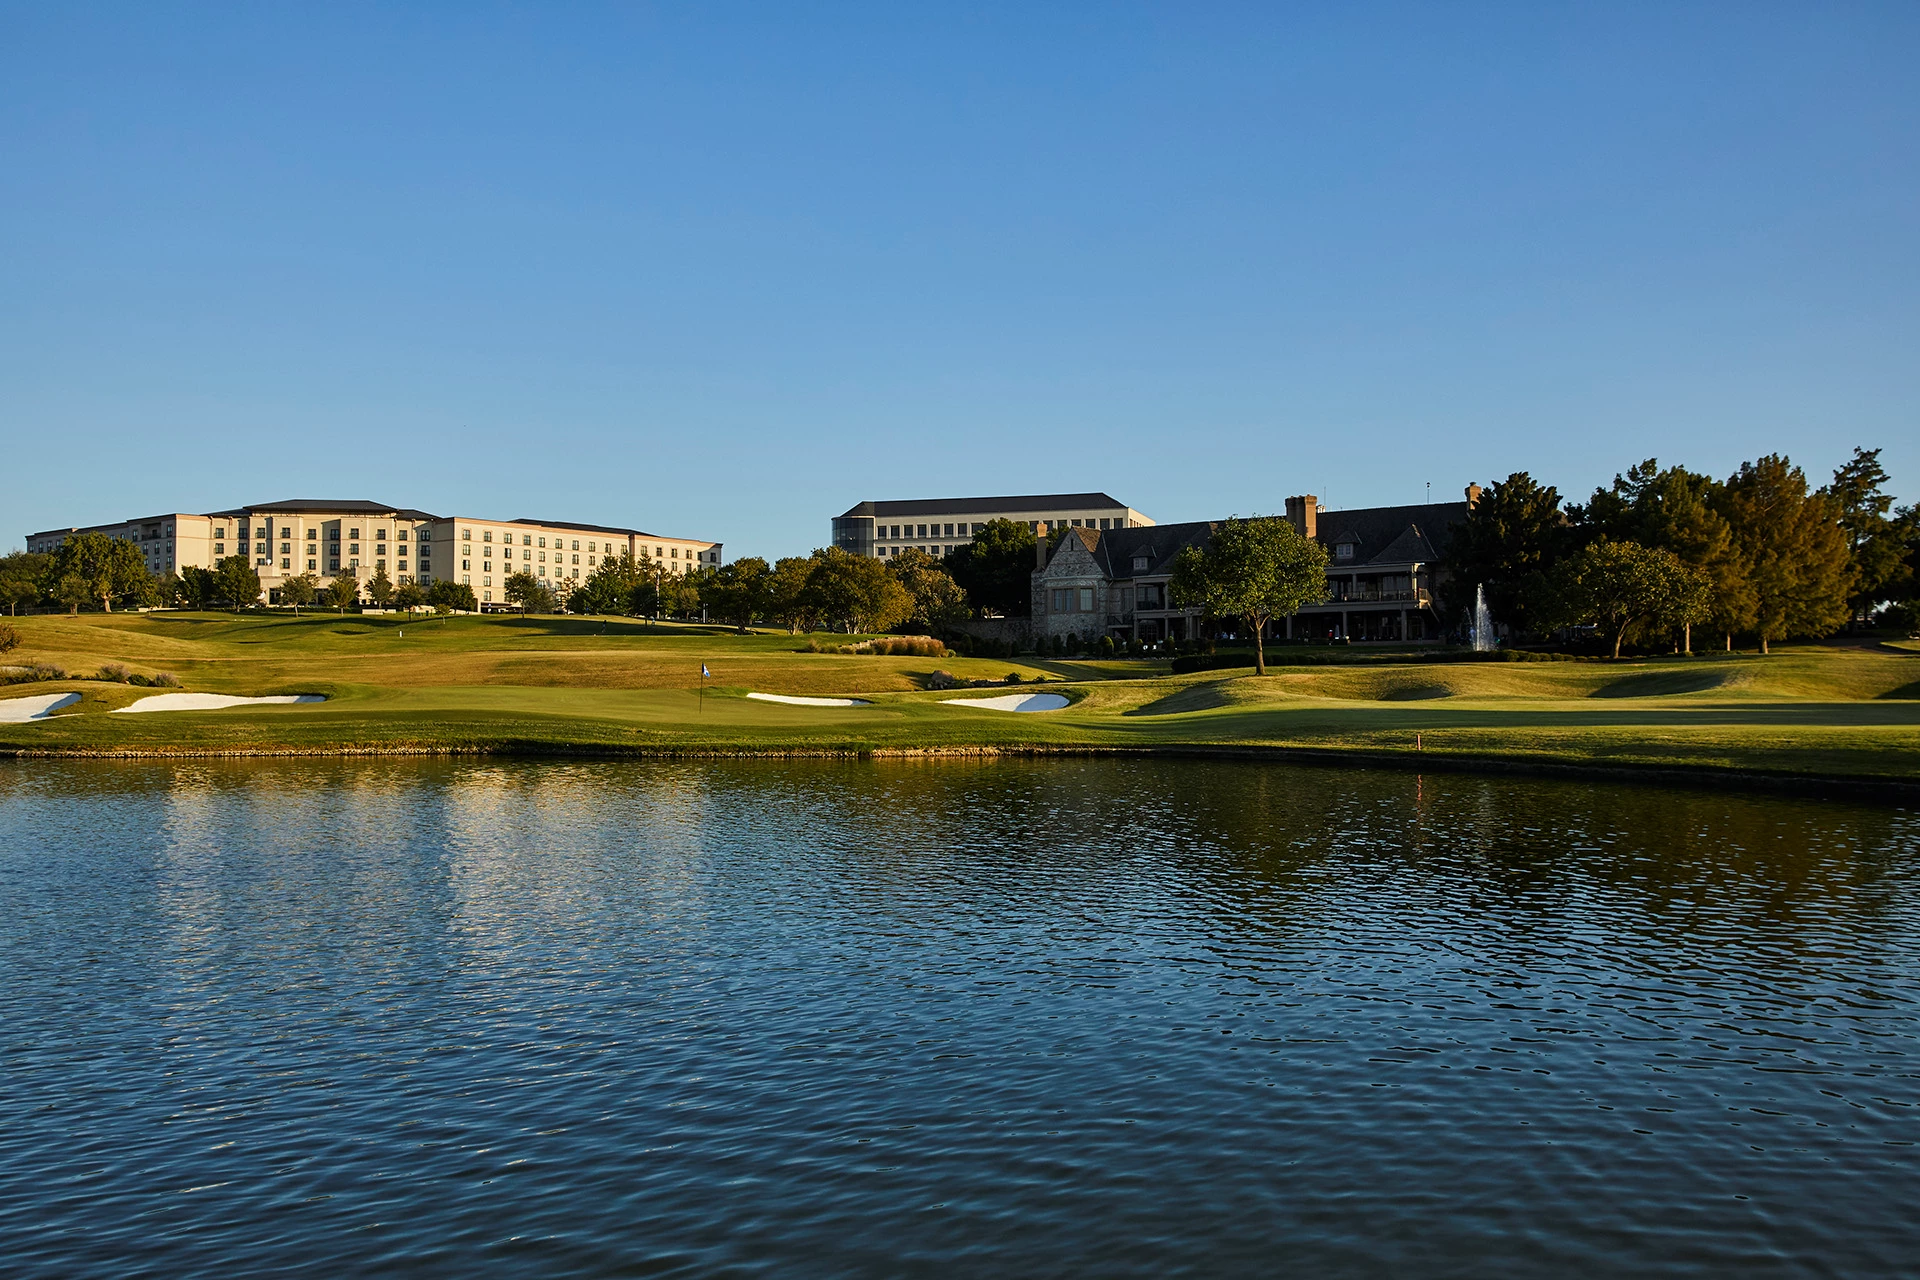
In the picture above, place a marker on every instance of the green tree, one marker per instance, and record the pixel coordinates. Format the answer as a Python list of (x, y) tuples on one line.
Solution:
[(737, 593), (1512, 537), (529, 593), (1795, 547), (996, 568), (857, 591), (23, 578), (1626, 589), (408, 596), (1876, 550), (938, 601), (299, 590), (678, 594), (380, 589), (72, 590), (452, 595), (1255, 570), (197, 588), (111, 567), (790, 601), (611, 586), (9, 638), (235, 582), (343, 592)]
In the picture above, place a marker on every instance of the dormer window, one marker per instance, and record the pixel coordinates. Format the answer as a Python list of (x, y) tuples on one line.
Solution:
[(1139, 564), (1343, 551)]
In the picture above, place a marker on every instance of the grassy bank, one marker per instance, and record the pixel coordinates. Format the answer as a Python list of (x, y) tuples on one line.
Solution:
[(570, 684)]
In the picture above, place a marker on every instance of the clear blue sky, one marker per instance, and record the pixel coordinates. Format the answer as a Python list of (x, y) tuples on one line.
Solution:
[(723, 270)]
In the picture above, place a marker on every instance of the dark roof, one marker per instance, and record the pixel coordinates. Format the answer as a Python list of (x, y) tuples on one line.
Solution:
[(1116, 549), (1391, 535), (345, 506), (605, 528), (1036, 503)]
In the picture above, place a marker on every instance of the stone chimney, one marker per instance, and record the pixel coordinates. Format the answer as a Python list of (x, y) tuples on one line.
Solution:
[(1473, 496), (1040, 545), (1303, 513)]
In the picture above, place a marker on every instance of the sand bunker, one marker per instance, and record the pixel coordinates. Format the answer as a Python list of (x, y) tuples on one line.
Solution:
[(210, 701), (810, 702), (1013, 702), (38, 707)]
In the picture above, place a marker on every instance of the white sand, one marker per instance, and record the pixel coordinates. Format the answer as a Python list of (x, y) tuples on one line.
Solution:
[(38, 707), (210, 701), (1013, 702), (810, 702)]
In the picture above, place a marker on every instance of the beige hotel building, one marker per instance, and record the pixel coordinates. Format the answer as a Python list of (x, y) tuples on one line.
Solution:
[(328, 538), (938, 525)]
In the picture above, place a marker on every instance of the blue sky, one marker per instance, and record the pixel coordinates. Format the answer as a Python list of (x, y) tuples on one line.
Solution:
[(724, 270)]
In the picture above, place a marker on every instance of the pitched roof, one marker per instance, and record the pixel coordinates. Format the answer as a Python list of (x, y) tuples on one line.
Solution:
[(1391, 535), (1027, 504), (322, 506), (1116, 549)]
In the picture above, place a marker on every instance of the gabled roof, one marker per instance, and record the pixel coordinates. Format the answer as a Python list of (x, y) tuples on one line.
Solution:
[(1116, 549), (1391, 535), (1027, 504)]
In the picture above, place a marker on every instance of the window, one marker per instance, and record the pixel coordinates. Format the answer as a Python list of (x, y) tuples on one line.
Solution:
[(1086, 599), (526, 540), (333, 534), (219, 548), (576, 559), (353, 549), (466, 564), (310, 566), (659, 553), (1139, 564), (676, 553), (465, 581), (285, 547), (379, 535), (379, 564), (353, 564), (576, 547), (400, 536), (286, 564), (1106, 523), (543, 542), (487, 582), (259, 533), (1344, 551), (949, 532), (1059, 599), (423, 535), (353, 534), (221, 532)]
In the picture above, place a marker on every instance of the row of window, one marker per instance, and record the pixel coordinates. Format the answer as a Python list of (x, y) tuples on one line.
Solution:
[(1153, 595), (934, 550), (661, 552), (963, 529), (333, 535)]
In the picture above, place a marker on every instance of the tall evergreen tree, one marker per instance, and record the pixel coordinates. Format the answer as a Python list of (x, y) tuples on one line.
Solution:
[(996, 568), (1794, 546), (1875, 548), (1512, 537)]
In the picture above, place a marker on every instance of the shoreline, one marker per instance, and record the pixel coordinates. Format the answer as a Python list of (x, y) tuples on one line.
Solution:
[(1816, 786)]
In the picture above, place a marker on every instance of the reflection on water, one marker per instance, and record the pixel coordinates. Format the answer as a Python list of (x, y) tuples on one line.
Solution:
[(1083, 1016)]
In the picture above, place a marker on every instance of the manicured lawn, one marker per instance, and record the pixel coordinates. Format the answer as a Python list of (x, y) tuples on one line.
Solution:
[(556, 683)]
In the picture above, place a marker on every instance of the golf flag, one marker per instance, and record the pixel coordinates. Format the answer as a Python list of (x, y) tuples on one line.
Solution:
[(704, 673)]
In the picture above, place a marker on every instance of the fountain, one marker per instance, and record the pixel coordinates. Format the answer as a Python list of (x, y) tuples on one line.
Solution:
[(1482, 621)]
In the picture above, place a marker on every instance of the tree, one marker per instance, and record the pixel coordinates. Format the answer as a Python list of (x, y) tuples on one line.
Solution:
[(737, 593), (790, 600), (1876, 550), (408, 596), (1795, 546), (857, 591), (235, 582), (343, 592), (9, 638), (380, 588), (72, 590), (452, 595), (1625, 588), (23, 578), (678, 594), (197, 587), (529, 593), (611, 586), (996, 568), (938, 600), (298, 591), (111, 567), (1512, 537), (1255, 570)]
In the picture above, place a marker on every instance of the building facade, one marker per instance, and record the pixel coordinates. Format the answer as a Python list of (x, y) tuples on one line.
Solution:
[(938, 525), (1383, 569), (329, 538)]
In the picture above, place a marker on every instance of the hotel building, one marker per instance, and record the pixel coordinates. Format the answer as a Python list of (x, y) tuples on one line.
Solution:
[(938, 525), (329, 538)]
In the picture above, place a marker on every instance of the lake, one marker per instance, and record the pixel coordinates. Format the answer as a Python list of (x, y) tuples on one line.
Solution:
[(1031, 1017)]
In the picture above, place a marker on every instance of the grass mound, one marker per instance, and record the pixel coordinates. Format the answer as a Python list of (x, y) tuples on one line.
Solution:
[(1667, 684)]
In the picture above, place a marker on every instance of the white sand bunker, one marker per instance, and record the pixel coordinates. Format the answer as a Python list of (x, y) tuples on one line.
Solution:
[(810, 702), (210, 701), (38, 707), (1013, 702)]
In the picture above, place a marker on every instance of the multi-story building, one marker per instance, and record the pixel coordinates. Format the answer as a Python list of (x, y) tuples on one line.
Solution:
[(1383, 566), (332, 537), (938, 525)]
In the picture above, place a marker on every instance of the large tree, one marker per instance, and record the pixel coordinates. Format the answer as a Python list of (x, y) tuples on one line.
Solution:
[(23, 578), (1792, 541), (1512, 537), (613, 584), (111, 567), (790, 602), (857, 591), (235, 582), (996, 568), (72, 590), (1625, 588), (1254, 570), (452, 595), (529, 593), (1876, 551), (380, 588), (344, 591), (197, 587), (737, 593), (938, 600), (299, 590)]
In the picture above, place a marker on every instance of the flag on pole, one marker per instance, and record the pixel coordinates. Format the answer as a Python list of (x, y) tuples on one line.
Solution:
[(704, 673)]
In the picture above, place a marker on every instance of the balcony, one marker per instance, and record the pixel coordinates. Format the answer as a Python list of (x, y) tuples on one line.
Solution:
[(1419, 597)]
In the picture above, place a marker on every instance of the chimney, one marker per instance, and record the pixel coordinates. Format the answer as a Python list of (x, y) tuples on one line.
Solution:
[(1303, 513), (1473, 496), (1040, 545)]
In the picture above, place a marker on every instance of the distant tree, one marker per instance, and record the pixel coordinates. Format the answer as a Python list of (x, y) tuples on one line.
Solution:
[(9, 638), (939, 603), (610, 586), (408, 596), (1876, 549), (1624, 588), (857, 591), (72, 590), (679, 594), (996, 568), (344, 591), (790, 602), (529, 593), (23, 578), (737, 593), (1795, 546), (452, 595), (111, 567), (380, 588), (235, 582), (1512, 537), (198, 587), (298, 591), (1255, 570)]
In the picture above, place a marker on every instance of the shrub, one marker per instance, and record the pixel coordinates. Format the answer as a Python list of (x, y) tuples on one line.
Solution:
[(1013, 677), (942, 680), (164, 680), (117, 672), (9, 638)]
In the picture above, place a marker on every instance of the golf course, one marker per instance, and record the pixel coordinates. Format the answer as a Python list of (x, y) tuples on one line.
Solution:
[(1847, 712)]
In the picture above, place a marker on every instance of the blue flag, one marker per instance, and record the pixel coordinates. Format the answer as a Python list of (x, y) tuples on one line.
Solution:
[(704, 673)]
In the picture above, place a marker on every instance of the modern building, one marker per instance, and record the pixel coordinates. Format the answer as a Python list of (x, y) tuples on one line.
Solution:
[(332, 537), (1383, 568), (938, 525)]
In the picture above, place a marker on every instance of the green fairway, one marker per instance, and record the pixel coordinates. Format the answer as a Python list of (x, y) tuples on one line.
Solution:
[(556, 684)]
